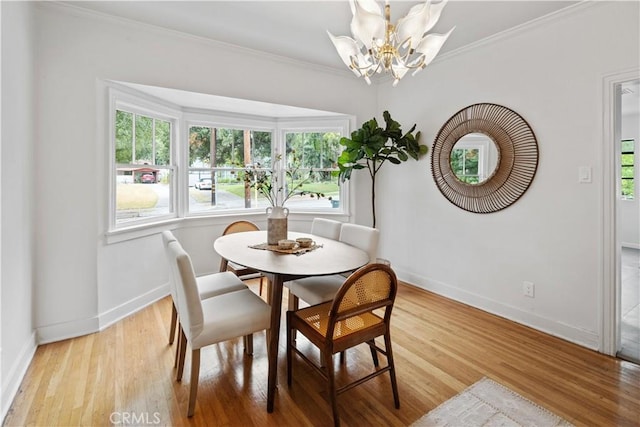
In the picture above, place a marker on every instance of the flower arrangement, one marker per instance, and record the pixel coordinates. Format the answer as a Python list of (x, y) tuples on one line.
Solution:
[(279, 186)]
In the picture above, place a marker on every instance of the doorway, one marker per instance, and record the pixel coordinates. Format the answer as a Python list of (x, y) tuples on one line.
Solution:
[(620, 220), (628, 219)]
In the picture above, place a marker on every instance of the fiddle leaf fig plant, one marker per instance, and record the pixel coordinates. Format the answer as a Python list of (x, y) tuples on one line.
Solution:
[(371, 146)]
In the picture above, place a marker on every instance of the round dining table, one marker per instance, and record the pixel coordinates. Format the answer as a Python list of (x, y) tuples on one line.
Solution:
[(326, 257)]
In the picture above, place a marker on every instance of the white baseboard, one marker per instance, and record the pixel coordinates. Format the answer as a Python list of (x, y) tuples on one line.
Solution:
[(115, 314), (66, 330), (76, 328), (11, 385), (588, 339)]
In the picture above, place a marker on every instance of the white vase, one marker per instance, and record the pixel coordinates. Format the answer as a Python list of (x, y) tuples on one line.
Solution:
[(276, 224)]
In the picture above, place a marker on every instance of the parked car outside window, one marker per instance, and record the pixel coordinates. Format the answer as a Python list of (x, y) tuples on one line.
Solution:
[(203, 184), (148, 178)]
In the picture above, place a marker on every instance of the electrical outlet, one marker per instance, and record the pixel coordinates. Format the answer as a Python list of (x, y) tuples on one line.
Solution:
[(528, 289)]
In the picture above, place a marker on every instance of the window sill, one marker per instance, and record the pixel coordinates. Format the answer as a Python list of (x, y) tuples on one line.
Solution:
[(145, 230), (140, 231)]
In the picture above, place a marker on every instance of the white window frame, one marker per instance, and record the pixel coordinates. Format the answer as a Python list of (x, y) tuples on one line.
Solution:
[(119, 100), (181, 119), (213, 120), (338, 125), (480, 143)]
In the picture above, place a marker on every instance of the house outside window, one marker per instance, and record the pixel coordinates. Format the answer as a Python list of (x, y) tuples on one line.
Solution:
[(143, 169), (627, 169)]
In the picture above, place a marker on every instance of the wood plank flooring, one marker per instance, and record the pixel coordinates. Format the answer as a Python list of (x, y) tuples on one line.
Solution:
[(124, 375)]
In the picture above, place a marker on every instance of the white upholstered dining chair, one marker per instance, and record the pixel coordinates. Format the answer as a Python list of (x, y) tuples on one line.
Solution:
[(328, 228), (209, 285), (205, 322), (317, 289), (319, 227)]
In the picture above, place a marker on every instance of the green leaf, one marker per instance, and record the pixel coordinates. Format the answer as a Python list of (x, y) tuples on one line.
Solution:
[(394, 160)]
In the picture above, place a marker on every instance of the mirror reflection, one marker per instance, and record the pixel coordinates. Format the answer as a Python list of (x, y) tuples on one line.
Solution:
[(474, 158)]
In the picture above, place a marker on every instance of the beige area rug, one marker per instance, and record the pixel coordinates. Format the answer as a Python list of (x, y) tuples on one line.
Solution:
[(487, 403)]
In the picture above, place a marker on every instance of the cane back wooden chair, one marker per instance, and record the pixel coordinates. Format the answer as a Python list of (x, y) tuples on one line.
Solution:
[(360, 312), (239, 270)]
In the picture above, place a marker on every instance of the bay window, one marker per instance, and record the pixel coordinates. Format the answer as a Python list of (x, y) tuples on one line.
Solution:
[(169, 162)]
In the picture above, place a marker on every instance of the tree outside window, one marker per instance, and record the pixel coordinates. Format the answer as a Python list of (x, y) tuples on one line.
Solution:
[(143, 169), (217, 157), (464, 164), (315, 153)]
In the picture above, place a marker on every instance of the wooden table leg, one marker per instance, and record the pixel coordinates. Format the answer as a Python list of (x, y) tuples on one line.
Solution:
[(274, 334)]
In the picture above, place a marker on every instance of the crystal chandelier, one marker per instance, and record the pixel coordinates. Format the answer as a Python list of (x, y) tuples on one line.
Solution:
[(377, 45)]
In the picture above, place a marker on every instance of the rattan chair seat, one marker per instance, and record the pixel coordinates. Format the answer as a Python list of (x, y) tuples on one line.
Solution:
[(317, 317)]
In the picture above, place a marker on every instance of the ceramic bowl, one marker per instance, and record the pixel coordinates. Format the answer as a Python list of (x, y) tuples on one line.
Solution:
[(304, 242), (286, 244)]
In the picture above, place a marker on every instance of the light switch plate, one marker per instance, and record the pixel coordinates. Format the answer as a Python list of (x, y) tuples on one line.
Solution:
[(584, 175)]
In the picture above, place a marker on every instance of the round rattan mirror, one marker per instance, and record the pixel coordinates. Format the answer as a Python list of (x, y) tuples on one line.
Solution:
[(454, 165)]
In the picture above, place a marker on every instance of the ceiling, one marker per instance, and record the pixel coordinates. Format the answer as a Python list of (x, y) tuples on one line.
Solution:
[(297, 29)]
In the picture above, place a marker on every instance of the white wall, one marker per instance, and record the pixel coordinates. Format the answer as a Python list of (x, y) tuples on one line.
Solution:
[(82, 282), (629, 228), (17, 181), (551, 74)]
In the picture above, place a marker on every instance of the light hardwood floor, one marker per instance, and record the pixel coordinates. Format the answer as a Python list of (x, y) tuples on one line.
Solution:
[(125, 373)]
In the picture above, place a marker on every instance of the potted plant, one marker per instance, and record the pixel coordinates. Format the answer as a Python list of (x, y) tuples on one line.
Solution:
[(277, 187), (371, 146)]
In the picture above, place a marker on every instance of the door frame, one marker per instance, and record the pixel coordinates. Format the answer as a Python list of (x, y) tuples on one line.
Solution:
[(610, 285)]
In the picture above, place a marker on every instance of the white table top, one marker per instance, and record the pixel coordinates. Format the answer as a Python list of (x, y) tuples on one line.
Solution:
[(333, 257)]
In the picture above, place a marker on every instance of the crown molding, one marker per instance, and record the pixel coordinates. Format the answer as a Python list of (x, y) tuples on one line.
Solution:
[(509, 32)]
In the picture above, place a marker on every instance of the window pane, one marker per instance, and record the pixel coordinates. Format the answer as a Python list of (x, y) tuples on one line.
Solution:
[(163, 142), (311, 157), (124, 137), (144, 140), (320, 182), (142, 193), (199, 146), (261, 148), (627, 188), (221, 190), (222, 187), (229, 147), (627, 168), (464, 164)]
